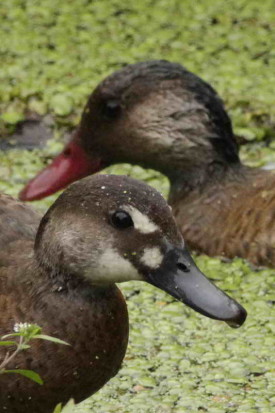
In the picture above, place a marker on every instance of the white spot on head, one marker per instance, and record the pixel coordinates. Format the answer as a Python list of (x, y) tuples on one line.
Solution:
[(152, 257), (141, 221), (113, 268)]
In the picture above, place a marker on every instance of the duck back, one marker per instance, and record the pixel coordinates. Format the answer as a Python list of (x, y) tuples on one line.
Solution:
[(234, 217), (17, 221)]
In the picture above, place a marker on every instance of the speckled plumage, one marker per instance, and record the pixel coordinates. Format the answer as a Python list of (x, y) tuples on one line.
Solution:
[(56, 279), (48, 288), (64, 281), (45, 282), (93, 321)]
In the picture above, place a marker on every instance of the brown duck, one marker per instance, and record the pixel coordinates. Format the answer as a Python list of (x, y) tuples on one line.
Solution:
[(159, 115), (101, 230)]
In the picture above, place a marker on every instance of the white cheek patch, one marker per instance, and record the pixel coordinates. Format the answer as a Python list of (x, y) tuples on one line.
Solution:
[(141, 221), (113, 268), (152, 257)]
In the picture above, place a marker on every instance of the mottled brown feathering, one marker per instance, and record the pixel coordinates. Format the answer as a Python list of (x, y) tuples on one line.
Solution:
[(93, 321), (233, 217)]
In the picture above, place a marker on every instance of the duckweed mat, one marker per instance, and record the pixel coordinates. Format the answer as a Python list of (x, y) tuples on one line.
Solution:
[(51, 58)]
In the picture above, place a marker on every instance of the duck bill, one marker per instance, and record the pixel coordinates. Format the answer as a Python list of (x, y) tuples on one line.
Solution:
[(179, 276), (72, 164)]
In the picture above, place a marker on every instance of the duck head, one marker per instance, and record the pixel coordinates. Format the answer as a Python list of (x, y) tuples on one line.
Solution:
[(109, 229), (155, 114)]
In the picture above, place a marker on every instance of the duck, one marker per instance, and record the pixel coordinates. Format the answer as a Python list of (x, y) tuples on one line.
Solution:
[(102, 230), (158, 115)]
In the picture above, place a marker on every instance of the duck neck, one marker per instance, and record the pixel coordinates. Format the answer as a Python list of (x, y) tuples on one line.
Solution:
[(58, 279), (198, 178)]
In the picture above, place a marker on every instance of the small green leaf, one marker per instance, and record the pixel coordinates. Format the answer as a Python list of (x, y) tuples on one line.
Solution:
[(53, 339), (8, 343), (27, 373), (32, 330), (12, 335), (58, 408), (24, 346)]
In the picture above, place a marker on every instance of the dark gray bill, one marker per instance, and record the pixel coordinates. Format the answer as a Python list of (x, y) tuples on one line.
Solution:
[(179, 276)]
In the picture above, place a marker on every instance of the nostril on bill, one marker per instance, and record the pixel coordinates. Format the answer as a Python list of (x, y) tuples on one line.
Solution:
[(182, 266)]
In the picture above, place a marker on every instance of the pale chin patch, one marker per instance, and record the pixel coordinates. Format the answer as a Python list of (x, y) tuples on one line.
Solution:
[(142, 223), (113, 268), (152, 257)]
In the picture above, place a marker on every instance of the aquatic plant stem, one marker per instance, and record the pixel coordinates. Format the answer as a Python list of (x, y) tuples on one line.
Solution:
[(8, 357)]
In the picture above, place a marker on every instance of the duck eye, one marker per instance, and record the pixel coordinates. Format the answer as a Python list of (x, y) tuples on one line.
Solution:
[(122, 220), (111, 109)]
